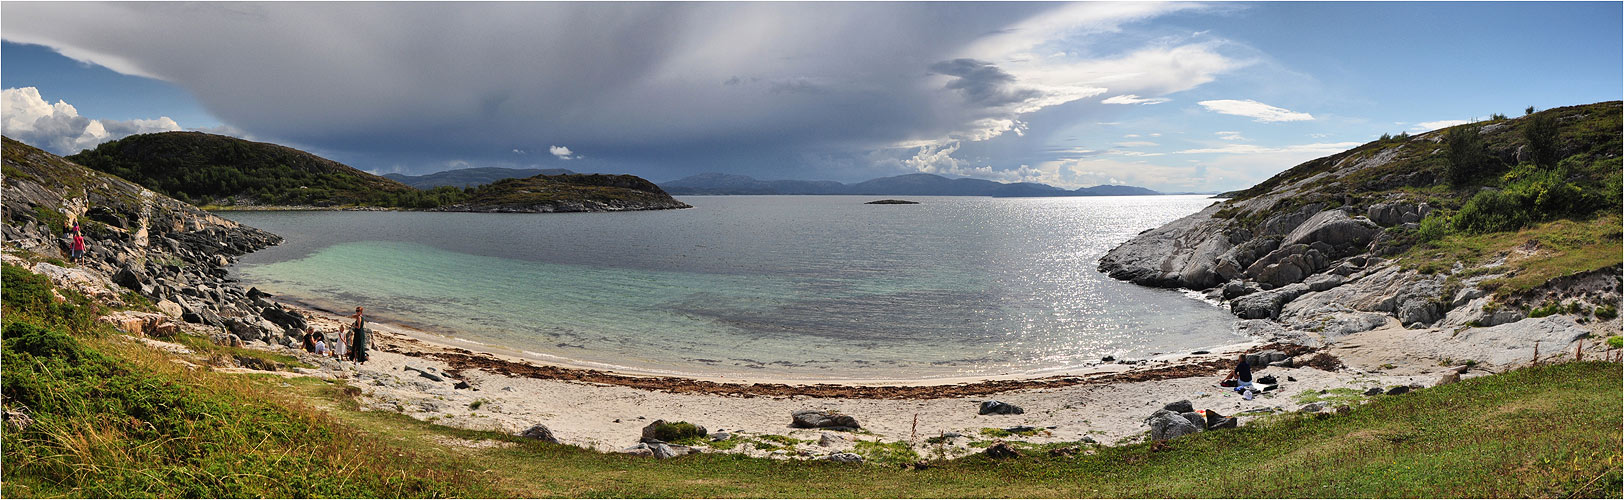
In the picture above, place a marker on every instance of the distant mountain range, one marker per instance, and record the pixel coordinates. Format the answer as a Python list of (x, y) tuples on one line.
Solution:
[(910, 184), (466, 177)]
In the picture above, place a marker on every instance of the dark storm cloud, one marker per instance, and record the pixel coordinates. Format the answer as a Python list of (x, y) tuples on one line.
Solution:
[(658, 88), (982, 82)]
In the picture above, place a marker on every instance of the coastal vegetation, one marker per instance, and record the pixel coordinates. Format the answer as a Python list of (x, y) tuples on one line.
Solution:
[(220, 172)]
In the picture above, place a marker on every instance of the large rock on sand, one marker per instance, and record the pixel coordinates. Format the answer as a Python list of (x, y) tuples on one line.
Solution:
[(1168, 424), (810, 419), (539, 432)]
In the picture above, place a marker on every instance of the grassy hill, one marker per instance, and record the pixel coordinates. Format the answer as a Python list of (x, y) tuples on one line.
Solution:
[(219, 171), (110, 417), (566, 193), (1549, 181), (208, 169)]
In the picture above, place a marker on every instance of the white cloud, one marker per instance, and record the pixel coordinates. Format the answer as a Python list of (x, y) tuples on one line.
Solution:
[(563, 153), (518, 151), (1429, 126), (1136, 144), (1255, 110), (1230, 135), (1134, 99), (1319, 147), (60, 129)]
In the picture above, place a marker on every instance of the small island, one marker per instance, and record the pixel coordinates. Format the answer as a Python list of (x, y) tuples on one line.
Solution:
[(892, 202)]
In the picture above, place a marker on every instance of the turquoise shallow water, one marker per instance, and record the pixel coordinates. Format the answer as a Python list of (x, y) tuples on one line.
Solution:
[(800, 287)]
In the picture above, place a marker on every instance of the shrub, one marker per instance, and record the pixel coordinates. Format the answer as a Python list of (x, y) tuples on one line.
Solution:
[(1608, 312), (1467, 157), (672, 432), (1546, 310), (1541, 134), (1435, 226)]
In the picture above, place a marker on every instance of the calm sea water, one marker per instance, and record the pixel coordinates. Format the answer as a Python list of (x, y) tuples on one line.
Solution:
[(798, 287)]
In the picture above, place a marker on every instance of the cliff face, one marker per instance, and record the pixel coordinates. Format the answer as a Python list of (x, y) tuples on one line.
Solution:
[(129, 225), (1335, 245), (167, 251)]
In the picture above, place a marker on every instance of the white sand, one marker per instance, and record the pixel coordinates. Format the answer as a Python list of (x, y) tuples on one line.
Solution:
[(610, 417)]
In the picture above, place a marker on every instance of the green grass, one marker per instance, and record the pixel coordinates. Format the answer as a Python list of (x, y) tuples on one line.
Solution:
[(115, 418), (1542, 252), (1334, 397), (895, 453), (1003, 433)]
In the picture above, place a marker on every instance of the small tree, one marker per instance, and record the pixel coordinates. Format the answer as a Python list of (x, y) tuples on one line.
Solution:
[(1528, 111), (1467, 157), (1541, 135)]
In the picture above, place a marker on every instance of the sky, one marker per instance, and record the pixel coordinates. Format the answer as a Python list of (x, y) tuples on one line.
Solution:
[(1177, 97)]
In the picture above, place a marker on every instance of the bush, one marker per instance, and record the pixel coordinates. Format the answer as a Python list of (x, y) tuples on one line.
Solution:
[(672, 432), (1531, 194), (1541, 134), (1546, 310), (1608, 312), (1467, 157), (1435, 226)]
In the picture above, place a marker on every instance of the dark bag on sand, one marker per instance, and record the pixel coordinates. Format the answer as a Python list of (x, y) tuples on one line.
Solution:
[(1228, 383)]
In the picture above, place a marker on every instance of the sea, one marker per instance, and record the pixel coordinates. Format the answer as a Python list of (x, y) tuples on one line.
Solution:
[(813, 288)]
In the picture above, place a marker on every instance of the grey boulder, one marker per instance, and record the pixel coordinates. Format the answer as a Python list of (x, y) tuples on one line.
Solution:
[(811, 419), (995, 407), (539, 432)]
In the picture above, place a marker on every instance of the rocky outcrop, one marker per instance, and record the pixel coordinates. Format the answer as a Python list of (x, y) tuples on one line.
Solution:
[(1307, 250), (1393, 213), (1181, 254), (169, 252)]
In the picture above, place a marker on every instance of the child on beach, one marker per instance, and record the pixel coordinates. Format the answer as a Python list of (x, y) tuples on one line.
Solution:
[(321, 345), (339, 349)]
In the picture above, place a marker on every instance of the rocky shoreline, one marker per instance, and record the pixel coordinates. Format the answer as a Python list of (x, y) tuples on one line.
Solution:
[(1323, 270)]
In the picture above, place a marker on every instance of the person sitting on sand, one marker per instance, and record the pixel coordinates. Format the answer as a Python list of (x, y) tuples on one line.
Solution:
[(321, 345), (309, 339), (1242, 375), (359, 337), (78, 244)]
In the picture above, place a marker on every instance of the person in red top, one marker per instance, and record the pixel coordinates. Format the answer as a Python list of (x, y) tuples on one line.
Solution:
[(78, 244)]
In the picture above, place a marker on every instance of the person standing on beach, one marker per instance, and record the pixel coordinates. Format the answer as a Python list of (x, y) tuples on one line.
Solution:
[(359, 336), (78, 244)]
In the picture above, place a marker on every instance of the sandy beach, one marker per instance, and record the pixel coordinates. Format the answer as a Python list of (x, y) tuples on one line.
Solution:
[(606, 411)]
